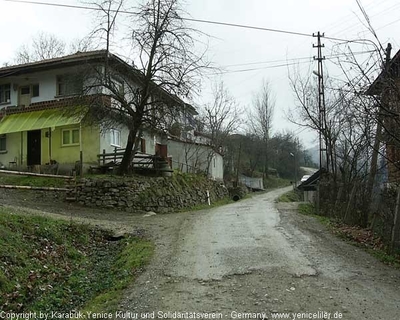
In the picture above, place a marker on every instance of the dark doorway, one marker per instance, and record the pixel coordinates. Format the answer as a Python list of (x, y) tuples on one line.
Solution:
[(161, 150), (34, 147)]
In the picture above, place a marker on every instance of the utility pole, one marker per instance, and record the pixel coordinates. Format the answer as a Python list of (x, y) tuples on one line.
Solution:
[(323, 158), (323, 154)]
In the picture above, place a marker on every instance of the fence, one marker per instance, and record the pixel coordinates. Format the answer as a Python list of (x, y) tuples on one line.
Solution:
[(140, 162)]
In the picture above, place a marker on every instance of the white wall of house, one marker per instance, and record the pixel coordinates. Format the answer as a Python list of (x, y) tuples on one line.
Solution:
[(190, 157), (106, 137), (47, 81), (217, 167), (47, 87), (15, 153)]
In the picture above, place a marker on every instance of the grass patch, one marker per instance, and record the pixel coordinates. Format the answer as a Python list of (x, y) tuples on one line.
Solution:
[(291, 196), (19, 180), (308, 209), (389, 259), (49, 265), (273, 183)]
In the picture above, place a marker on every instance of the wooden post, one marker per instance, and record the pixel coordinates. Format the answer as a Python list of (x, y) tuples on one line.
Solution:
[(115, 154), (80, 151), (104, 156), (395, 221), (21, 161), (81, 164)]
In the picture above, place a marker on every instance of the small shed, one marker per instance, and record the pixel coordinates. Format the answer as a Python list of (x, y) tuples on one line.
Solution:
[(309, 187)]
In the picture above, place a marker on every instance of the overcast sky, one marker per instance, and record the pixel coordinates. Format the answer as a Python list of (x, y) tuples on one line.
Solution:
[(236, 49)]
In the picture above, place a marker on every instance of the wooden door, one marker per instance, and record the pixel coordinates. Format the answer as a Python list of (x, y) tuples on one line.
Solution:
[(24, 98)]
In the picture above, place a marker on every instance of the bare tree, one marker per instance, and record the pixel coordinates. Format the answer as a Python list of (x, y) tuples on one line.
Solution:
[(166, 66), (106, 21), (81, 45), (220, 118), (260, 118), (43, 46)]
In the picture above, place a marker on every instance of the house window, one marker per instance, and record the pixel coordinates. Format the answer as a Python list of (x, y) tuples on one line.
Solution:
[(35, 90), (5, 93), (115, 137), (70, 137), (69, 85), (26, 90), (3, 146)]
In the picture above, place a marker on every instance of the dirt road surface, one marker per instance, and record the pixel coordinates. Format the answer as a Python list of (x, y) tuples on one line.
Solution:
[(253, 259), (248, 258)]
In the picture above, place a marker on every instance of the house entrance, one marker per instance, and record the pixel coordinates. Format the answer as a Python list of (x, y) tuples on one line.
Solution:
[(34, 147)]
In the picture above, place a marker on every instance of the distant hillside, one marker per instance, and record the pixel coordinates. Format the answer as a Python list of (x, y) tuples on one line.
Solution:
[(314, 154)]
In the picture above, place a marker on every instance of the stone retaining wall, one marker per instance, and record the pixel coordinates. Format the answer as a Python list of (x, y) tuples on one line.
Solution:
[(162, 195)]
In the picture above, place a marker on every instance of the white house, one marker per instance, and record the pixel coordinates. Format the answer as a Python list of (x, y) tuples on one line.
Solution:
[(35, 129)]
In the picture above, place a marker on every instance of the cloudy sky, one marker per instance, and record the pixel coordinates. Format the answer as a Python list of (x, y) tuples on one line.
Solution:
[(247, 56)]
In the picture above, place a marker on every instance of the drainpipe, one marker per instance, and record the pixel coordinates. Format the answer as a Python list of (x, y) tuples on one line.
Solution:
[(50, 151), (21, 160)]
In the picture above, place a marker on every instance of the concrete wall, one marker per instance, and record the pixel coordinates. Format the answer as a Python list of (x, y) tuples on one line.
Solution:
[(150, 140), (105, 139), (71, 154), (190, 157), (16, 149)]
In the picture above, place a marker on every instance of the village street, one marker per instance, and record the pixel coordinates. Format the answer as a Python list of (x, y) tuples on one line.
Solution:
[(243, 257), (248, 257)]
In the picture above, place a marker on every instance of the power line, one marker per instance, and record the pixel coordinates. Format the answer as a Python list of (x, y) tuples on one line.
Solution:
[(264, 62), (309, 59), (267, 67), (328, 57), (227, 24)]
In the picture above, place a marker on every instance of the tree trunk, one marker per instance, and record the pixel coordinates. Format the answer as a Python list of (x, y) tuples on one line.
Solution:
[(129, 153), (350, 202), (266, 160)]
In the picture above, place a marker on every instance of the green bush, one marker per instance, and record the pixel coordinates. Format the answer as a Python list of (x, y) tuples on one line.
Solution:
[(291, 196)]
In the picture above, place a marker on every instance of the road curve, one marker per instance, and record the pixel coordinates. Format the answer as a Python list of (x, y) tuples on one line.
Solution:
[(250, 258)]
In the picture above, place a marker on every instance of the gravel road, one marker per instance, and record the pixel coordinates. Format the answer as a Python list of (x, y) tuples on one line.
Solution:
[(253, 259)]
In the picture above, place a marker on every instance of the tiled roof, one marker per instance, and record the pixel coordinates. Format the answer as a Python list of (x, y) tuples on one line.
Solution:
[(33, 66), (80, 58)]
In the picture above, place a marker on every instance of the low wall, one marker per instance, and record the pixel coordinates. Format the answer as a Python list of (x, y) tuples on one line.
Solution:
[(162, 194)]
